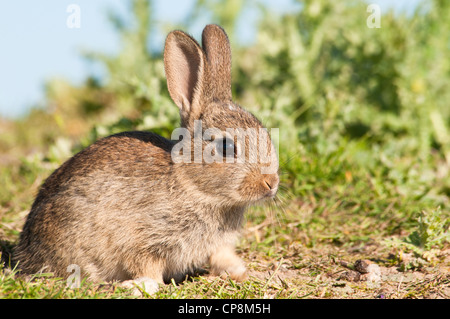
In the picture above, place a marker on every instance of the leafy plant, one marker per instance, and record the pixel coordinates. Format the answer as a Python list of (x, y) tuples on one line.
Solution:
[(363, 118), (433, 231)]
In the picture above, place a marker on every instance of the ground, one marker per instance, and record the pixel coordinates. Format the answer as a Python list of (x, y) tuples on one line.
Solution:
[(285, 259)]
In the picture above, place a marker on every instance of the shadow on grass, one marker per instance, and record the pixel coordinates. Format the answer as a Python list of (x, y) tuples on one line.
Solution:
[(6, 251)]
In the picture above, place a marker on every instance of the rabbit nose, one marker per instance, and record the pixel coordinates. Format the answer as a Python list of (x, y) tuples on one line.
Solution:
[(271, 183)]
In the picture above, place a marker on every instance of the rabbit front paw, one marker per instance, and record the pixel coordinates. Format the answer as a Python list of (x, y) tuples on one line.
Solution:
[(237, 273), (141, 286), (226, 263)]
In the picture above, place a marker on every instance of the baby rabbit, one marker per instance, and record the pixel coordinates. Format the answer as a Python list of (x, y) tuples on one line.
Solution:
[(136, 206)]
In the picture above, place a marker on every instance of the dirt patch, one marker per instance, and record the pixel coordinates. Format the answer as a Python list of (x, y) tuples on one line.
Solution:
[(319, 276)]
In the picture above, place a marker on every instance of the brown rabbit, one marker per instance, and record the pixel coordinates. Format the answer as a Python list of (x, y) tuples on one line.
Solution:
[(126, 209)]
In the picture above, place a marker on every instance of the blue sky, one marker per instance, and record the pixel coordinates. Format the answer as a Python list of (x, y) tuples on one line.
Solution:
[(37, 45)]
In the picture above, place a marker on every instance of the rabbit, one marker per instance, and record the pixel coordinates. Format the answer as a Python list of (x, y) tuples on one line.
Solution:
[(124, 210)]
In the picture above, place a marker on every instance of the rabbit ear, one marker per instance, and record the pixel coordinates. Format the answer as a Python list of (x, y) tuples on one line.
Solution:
[(184, 63), (216, 45)]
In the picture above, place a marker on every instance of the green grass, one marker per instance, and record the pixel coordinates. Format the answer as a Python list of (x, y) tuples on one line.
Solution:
[(364, 150)]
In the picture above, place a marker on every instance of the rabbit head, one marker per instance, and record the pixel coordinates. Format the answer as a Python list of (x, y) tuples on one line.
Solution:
[(228, 154)]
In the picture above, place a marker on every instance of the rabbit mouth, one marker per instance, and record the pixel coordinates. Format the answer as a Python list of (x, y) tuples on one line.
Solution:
[(271, 193), (266, 196)]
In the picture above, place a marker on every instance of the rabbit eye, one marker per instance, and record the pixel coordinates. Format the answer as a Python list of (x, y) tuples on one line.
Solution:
[(226, 147)]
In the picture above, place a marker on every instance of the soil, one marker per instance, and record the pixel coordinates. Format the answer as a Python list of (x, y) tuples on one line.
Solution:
[(314, 275)]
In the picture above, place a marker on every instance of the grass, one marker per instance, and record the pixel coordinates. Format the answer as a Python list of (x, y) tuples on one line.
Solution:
[(291, 250), (328, 209), (364, 130)]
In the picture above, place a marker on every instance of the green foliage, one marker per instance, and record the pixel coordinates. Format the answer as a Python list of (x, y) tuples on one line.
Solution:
[(433, 231), (363, 115), (135, 78)]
